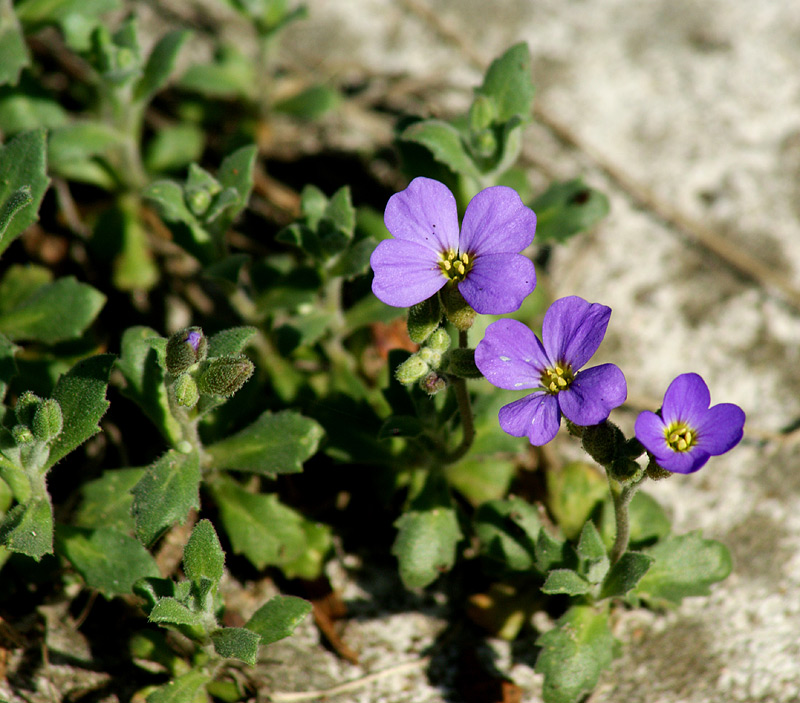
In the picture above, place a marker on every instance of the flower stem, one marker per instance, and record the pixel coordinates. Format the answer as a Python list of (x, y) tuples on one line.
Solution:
[(621, 495), (464, 409)]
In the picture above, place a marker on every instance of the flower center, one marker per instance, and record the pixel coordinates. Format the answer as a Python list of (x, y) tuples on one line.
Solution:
[(455, 266), (680, 437), (557, 378)]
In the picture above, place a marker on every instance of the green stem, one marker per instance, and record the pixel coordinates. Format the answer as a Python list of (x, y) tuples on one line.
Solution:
[(465, 410), (621, 496)]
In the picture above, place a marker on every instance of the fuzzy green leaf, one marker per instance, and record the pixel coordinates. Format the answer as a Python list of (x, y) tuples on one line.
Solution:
[(278, 618), (684, 566), (23, 162), (565, 581), (28, 528), (508, 530), (236, 171), (172, 612), (13, 51), (594, 561), (108, 560), (573, 491), (230, 341), (166, 494), (274, 444), (160, 64), (236, 643), (445, 144), (56, 312), (15, 202), (567, 208), (508, 83), (107, 500), (625, 574), (174, 147), (311, 103), (203, 556), (183, 689), (81, 393), (574, 654)]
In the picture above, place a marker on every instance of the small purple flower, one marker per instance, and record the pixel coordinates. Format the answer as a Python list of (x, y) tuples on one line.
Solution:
[(686, 432), (510, 356), (427, 251)]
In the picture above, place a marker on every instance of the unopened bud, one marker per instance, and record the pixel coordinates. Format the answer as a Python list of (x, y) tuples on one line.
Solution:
[(22, 435), (481, 113), (48, 420), (26, 407), (655, 472), (411, 370), (225, 375), (423, 319), (430, 357), (484, 143), (186, 393), (456, 308), (439, 341), (624, 469), (461, 363), (600, 441), (198, 201), (184, 349), (432, 383)]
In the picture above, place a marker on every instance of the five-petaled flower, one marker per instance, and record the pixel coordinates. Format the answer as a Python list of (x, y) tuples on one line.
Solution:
[(428, 252), (511, 356), (686, 432)]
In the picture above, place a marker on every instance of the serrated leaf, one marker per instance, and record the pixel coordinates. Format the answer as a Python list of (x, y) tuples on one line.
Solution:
[(508, 82), (567, 208), (107, 500), (278, 618), (165, 494), (445, 144), (13, 51), (684, 566), (56, 312), (508, 530), (592, 554), (236, 643), (81, 393), (23, 162), (144, 377), (574, 654), (108, 560), (183, 689), (160, 64), (625, 574), (28, 529), (276, 443), (565, 581), (203, 556)]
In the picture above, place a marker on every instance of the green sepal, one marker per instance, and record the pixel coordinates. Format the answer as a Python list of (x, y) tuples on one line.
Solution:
[(625, 574), (184, 349), (423, 319), (278, 618), (236, 643), (165, 494), (574, 654), (28, 528), (203, 557), (108, 560), (593, 562), (566, 581)]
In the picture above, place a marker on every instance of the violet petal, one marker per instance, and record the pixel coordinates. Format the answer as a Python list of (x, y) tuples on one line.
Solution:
[(498, 283), (720, 429), (405, 273), (684, 462), (424, 213), (510, 356), (686, 400), (536, 416), (496, 221), (594, 393), (573, 329), (650, 430)]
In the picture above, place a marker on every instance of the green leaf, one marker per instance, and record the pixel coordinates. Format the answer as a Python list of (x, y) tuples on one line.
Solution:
[(274, 444), (509, 84), (15, 202), (166, 494), (278, 618), (20, 282), (203, 556), (81, 393), (174, 147), (23, 162), (236, 643), (28, 528), (565, 581), (8, 366), (572, 494), (230, 341), (13, 51), (56, 312), (574, 654), (230, 76), (428, 534), (107, 500), (550, 551), (144, 378), (481, 478), (29, 106), (684, 566), (172, 612), (311, 103), (625, 574), (236, 171), (445, 144), (74, 148), (507, 531), (183, 689), (108, 560), (168, 198), (567, 208), (592, 555), (648, 521), (160, 64)]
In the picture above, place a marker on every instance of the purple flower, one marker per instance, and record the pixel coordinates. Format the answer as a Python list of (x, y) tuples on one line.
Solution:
[(512, 357), (686, 432), (427, 251)]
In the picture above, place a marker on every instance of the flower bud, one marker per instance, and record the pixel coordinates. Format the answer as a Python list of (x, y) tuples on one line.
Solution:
[(430, 357), (186, 393), (26, 407), (411, 370), (184, 349), (461, 363), (481, 113), (198, 201), (22, 435), (600, 441), (225, 375), (456, 308), (624, 469), (48, 420), (423, 319), (432, 383), (439, 341), (484, 143), (655, 472)]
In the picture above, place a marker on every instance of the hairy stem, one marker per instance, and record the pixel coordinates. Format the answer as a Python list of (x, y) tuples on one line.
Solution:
[(621, 495), (464, 410)]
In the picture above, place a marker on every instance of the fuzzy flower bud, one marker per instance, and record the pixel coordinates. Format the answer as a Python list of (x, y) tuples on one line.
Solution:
[(461, 363), (186, 393), (439, 341), (423, 319), (26, 407), (432, 383), (225, 375), (457, 309), (22, 435), (600, 441), (411, 370), (185, 348), (48, 421)]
